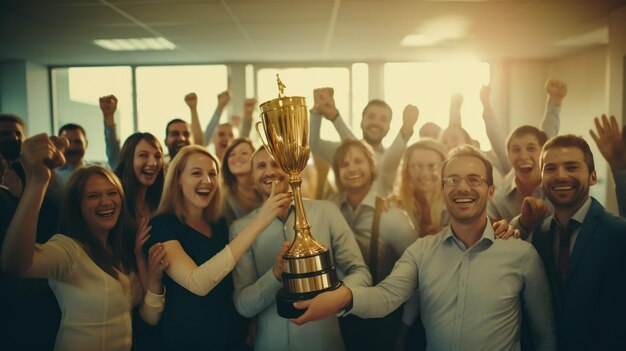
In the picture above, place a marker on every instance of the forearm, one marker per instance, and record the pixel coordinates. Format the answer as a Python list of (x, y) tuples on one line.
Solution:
[(213, 123), (497, 138), (391, 163), (455, 115), (246, 126), (322, 148), (240, 243), (389, 294), (377, 301), (196, 129), (342, 128), (551, 120), (620, 190), (112, 144), (200, 280), (253, 294), (152, 307), (19, 243)]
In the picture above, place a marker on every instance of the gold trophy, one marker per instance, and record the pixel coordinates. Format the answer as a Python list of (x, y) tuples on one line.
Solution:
[(308, 266)]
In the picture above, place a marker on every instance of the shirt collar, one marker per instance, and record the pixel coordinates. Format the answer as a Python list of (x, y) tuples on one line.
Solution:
[(579, 215), (369, 199), (488, 235)]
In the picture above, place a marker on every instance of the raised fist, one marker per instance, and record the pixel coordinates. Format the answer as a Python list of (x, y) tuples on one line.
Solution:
[(248, 106), (556, 91), (409, 116), (534, 211), (191, 100), (222, 99), (324, 103), (108, 104), (41, 154), (456, 100)]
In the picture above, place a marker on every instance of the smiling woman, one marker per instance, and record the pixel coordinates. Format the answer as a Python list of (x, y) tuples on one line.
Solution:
[(141, 171), (90, 267), (188, 223)]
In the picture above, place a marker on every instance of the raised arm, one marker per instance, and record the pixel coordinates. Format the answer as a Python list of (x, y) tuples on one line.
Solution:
[(222, 100), (456, 102), (39, 156), (393, 156), (612, 145), (108, 106), (248, 109), (200, 280), (496, 135), (556, 93), (191, 100), (323, 106)]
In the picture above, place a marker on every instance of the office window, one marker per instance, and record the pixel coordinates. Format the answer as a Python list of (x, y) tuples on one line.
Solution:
[(360, 93), (429, 85), (302, 81), (161, 91), (76, 92)]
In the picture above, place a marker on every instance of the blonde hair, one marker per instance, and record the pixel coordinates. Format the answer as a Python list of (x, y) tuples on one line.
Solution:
[(172, 200), (408, 192)]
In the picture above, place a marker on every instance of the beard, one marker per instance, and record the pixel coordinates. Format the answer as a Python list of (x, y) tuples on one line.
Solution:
[(11, 150), (74, 153)]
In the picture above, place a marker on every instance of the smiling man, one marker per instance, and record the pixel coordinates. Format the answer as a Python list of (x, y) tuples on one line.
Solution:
[(582, 248), (382, 235), (523, 150), (471, 287), (257, 275), (375, 124), (75, 154)]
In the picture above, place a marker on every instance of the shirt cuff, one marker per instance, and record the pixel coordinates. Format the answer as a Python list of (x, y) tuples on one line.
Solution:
[(155, 300)]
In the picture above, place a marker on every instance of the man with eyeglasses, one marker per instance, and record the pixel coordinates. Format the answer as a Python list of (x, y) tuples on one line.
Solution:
[(471, 287)]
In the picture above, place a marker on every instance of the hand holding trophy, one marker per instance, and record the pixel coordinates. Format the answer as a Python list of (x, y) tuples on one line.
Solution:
[(308, 266)]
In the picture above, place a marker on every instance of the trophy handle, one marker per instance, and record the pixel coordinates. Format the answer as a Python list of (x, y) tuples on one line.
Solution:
[(258, 132)]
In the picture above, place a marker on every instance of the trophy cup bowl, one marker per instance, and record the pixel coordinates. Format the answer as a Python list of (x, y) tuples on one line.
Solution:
[(308, 266)]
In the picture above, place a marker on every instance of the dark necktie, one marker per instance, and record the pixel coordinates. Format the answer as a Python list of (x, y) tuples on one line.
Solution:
[(565, 235)]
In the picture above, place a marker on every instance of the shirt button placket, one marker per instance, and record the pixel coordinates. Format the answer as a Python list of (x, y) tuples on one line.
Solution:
[(461, 297)]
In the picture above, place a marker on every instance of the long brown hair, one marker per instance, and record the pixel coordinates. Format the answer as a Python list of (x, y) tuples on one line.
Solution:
[(227, 176), (72, 224), (172, 200), (125, 171), (342, 152), (408, 192)]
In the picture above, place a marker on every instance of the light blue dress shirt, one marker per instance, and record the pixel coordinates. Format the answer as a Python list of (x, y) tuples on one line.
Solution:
[(256, 286), (470, 298)]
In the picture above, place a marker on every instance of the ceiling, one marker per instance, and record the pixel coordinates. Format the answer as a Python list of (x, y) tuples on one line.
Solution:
[(62, 32)]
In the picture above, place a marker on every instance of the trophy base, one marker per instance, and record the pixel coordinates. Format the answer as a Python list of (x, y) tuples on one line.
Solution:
[(285, 300)]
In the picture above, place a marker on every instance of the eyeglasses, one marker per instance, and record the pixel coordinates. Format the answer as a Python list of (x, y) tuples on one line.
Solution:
[(472, 180), (420, 167)]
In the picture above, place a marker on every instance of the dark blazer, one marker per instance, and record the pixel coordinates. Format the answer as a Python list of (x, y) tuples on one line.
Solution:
[(590, 309)]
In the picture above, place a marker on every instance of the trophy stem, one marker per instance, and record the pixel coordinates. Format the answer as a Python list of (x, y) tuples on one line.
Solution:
[(304, 245)]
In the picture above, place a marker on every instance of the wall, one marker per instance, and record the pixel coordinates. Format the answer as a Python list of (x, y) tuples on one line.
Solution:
[(25, 91), (13, 88), (527, 96)]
